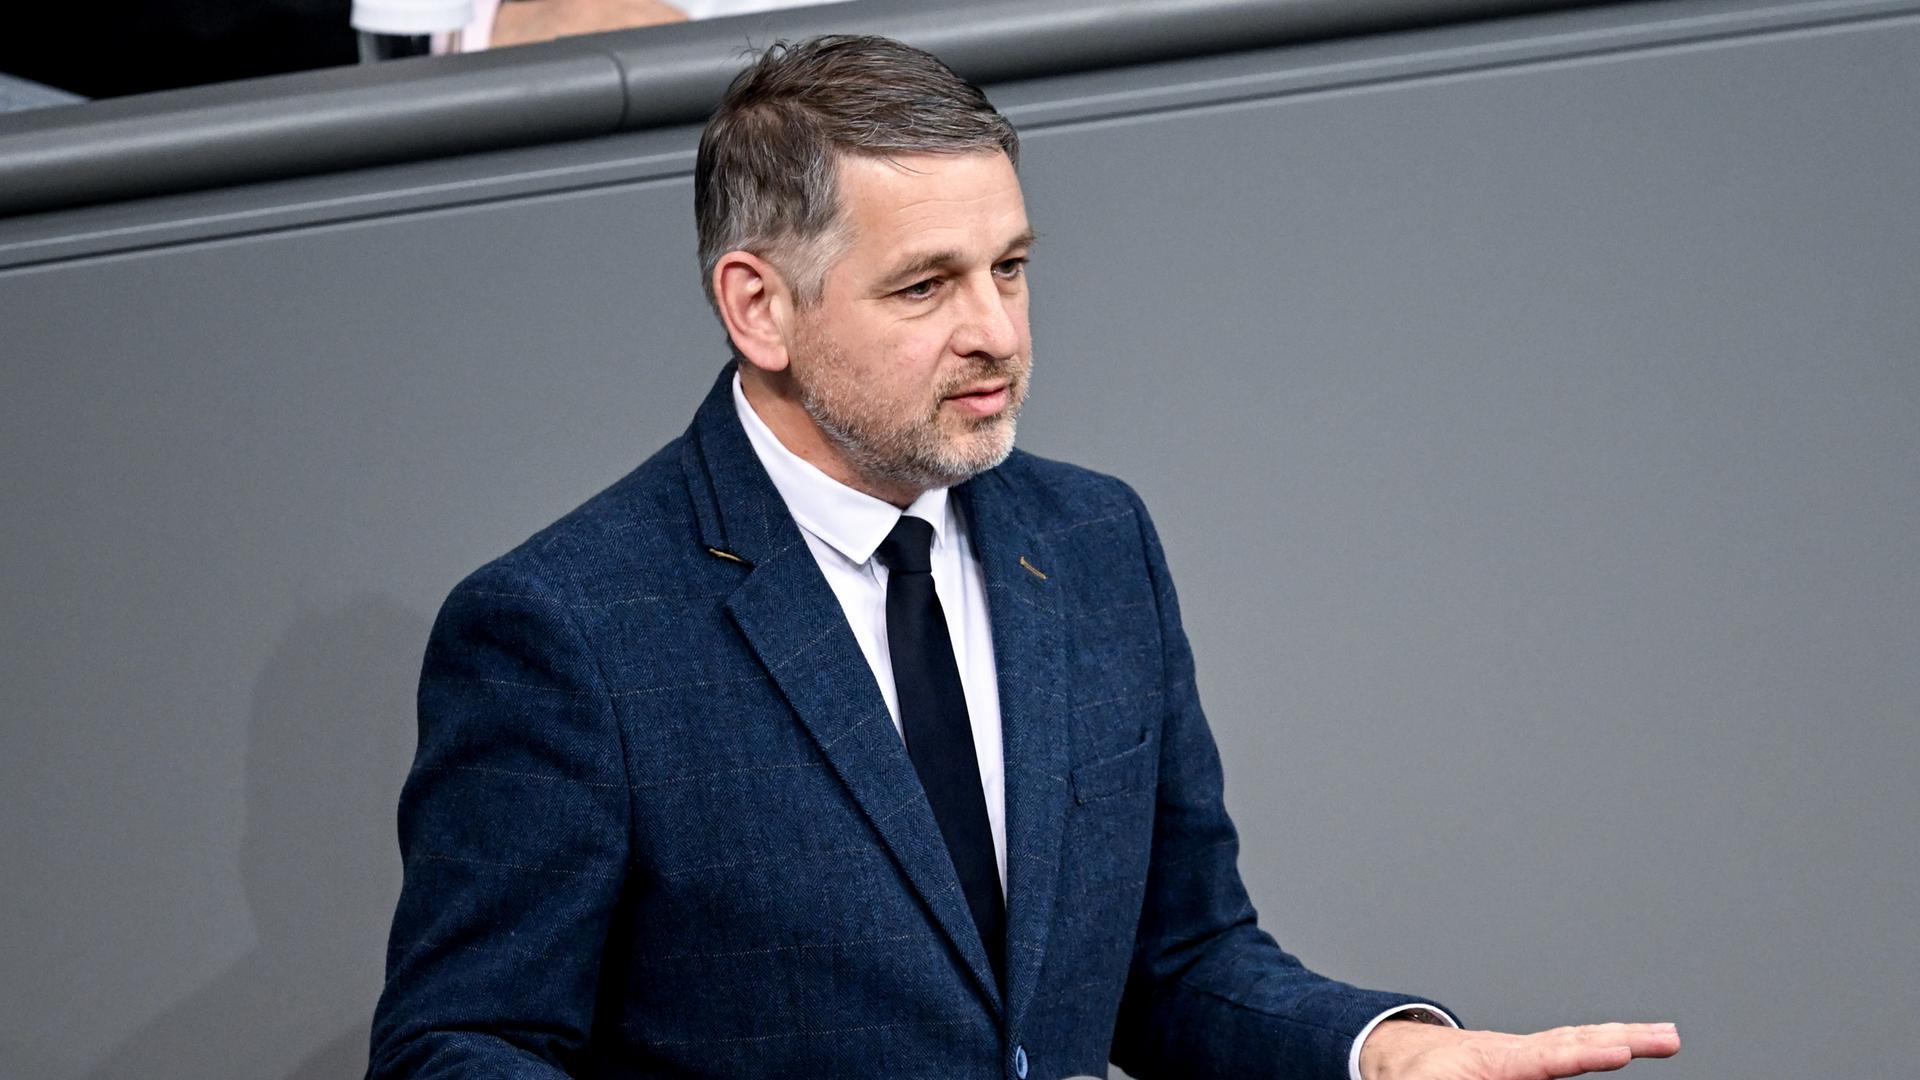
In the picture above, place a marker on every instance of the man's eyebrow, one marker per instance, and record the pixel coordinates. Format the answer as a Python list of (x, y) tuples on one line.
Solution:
[(920, 264), (917, 265)]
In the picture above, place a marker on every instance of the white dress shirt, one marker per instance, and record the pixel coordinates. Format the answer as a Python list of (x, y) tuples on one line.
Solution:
[(842, 528)]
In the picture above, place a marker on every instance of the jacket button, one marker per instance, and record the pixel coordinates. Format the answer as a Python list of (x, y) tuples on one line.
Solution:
[(1020, 1062)]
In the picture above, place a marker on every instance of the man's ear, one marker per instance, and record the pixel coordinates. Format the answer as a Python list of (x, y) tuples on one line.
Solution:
[(757, 307)]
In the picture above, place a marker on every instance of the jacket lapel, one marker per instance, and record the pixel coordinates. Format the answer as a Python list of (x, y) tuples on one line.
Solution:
[(1029, 652), (793, 622)]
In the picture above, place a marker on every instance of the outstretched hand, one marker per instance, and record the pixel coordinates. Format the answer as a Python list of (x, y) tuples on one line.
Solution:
[(1402, 1050)]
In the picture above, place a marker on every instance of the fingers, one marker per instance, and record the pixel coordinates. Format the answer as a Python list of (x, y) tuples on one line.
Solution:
[(1589, 1032), (1644, 1040), (1562, 1057), (1575, 1051)]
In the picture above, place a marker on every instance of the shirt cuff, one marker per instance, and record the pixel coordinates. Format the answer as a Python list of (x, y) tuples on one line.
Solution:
[(1429, 1014)]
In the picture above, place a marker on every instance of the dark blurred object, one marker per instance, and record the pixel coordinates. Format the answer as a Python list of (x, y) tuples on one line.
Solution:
[(376, 47), (133, 46)]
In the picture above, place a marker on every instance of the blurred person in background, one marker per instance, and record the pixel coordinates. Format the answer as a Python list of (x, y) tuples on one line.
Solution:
[(130, 47)]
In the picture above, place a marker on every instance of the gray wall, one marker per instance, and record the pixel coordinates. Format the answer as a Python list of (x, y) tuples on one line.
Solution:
[(1531, 411)]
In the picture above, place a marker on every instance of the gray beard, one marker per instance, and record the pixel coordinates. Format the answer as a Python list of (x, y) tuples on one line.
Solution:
[(899, 459)]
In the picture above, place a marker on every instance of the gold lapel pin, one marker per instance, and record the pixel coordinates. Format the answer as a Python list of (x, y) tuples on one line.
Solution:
[(727, 555), (1032, 569)]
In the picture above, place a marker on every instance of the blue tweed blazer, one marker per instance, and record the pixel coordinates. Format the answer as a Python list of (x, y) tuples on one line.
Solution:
[(660, 823)]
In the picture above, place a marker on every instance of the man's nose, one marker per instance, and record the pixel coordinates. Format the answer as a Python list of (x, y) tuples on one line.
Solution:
[(989, 321)]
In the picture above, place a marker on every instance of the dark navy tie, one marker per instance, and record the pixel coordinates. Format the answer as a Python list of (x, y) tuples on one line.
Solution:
[(933, 718)]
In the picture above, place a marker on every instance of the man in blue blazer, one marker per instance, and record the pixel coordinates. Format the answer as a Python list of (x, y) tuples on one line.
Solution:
[(839, 738)]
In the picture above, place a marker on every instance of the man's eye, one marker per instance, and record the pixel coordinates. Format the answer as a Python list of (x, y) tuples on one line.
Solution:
[(1011, 268), (921, 290)]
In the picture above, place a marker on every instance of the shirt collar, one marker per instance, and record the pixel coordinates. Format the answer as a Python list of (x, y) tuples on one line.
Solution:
[(851, 522)]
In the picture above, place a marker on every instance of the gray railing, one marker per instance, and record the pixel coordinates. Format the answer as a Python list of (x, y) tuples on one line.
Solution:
[(352, 117)]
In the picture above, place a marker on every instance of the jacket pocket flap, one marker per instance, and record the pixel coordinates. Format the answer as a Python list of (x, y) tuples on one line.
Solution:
[(1124, 773)]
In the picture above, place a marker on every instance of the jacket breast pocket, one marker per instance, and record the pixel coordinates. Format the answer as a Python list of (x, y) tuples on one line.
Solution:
[(1130, 772)]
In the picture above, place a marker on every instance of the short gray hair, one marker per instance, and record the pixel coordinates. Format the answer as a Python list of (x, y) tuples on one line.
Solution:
[(765, 178)]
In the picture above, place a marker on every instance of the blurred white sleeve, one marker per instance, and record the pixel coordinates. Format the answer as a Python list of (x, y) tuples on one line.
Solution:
[(477, 35)]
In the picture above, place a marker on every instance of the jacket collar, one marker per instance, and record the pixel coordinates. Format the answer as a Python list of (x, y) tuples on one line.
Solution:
[(1025, 600), (739, 511)]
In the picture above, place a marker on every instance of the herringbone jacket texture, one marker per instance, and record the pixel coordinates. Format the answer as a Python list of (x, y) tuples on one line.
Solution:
[(660, 822)]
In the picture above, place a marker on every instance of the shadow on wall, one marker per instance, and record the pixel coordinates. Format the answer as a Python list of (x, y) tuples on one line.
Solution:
[(331, 735)]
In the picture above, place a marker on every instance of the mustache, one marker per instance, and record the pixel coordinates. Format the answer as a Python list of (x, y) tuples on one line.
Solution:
[(1013, 369)]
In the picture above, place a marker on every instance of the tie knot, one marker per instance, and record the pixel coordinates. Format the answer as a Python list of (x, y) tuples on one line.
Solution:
[(907, 549)]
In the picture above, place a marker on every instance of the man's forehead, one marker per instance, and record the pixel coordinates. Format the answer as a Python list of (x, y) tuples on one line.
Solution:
[(931, 202)]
